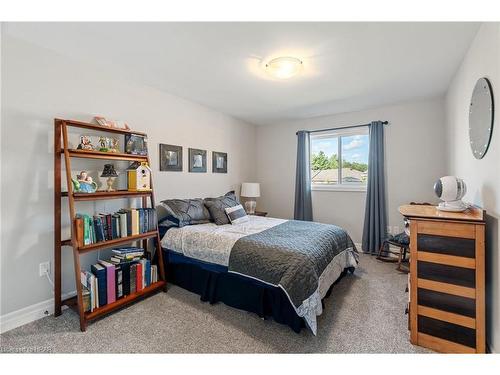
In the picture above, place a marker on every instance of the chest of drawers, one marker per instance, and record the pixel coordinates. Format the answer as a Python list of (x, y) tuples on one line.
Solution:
[(447, 281)]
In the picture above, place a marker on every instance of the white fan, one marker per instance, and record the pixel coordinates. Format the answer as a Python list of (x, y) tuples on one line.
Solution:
[(451, 190)]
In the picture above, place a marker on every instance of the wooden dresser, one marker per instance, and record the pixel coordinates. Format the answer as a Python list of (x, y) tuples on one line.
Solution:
[(447, 286)]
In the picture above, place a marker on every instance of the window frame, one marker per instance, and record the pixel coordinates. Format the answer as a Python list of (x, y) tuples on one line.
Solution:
[(339, 133)]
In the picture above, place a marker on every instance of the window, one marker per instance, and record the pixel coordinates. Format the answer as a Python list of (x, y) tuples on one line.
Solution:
[(339, 160)]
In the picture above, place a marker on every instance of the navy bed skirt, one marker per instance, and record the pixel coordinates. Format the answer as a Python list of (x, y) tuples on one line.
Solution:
[(214, 284)]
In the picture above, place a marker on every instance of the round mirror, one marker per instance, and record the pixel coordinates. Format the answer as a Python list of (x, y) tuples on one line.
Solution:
[(481, 113)]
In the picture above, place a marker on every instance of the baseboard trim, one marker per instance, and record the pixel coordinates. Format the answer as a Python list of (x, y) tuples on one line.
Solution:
[(29, 314)]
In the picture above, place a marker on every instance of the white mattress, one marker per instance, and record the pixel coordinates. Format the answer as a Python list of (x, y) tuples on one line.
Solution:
[(213, 243)]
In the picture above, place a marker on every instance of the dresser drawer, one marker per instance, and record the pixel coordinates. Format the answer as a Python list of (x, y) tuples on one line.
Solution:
[(446, 274), (447, 302), (447, 331), (461, 247)]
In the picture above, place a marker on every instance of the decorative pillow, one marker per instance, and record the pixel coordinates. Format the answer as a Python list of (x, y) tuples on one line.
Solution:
[(217, 206), (237, 214), (183, 212)]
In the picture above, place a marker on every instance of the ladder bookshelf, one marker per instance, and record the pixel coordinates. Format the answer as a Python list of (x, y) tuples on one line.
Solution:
[(61, 150)]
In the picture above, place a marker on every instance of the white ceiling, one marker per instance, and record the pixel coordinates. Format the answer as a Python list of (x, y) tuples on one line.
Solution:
[(347, 66)]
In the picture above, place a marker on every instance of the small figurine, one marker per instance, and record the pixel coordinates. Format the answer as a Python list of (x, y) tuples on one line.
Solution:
[(113, 145), (84, 183), (85, 143), (103, 141)]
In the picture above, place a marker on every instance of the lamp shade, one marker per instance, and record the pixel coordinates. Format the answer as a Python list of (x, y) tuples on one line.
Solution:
[(109, 171), (250, 189)]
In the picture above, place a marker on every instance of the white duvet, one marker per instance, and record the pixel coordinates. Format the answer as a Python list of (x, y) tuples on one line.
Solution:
[(213, 243)]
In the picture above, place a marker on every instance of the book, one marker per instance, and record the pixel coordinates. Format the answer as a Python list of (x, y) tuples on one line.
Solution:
[(155, 273), (139, 277), (146, 267), (129, 222), (133, 278), (86, 298), (135, 221), (127, 250), (123, 224), (86, 226), (90, 283), (126, 277), (110, 280), (101, 274), (79, 229), (116, 225), (119, 282), (109, 228), (96, 292), (99, 229)]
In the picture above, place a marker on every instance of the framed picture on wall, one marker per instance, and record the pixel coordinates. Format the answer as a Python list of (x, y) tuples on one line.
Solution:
[(197, 160), (170, 158), (219, 162)]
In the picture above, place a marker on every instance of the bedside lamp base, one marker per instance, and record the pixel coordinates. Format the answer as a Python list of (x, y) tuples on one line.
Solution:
[(250, 207)]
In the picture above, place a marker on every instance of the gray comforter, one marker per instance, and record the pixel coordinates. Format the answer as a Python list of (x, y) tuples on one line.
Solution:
[(294, 256)]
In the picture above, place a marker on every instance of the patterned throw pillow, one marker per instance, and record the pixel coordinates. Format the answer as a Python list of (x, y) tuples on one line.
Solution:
[(237, 214), (217, 206), (185, 211)]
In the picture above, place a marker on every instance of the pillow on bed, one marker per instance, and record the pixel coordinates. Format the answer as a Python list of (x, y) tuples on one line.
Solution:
[(236, 214), (217, 206), (183, 212)]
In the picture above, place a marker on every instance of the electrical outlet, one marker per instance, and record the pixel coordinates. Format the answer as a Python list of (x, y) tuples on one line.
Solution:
[(44, 268), (389, 229)]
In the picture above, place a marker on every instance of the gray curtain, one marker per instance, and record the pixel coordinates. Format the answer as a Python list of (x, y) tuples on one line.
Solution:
[(374, 230), (303, 203)]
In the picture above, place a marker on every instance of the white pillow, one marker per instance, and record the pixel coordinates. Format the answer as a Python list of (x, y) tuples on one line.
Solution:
[(236, 214)]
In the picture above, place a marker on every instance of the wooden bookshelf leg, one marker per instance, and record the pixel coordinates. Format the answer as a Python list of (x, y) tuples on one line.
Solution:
[(76, 257), (160, 261), (57, 218)]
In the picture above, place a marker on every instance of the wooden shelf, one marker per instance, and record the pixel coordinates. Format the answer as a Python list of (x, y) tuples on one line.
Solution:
[(99, 195), (123, 301), (88, 125), (116, 242), (86, 154)]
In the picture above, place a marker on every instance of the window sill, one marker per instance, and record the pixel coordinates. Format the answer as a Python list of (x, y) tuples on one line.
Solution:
[(361, 189)]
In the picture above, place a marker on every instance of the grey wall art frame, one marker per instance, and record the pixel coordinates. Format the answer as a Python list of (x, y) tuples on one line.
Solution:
[(219, 162), (197, 160), (170, 158)]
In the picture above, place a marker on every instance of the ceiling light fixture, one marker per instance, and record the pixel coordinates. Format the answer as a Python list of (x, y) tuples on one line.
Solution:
[(284, 67)]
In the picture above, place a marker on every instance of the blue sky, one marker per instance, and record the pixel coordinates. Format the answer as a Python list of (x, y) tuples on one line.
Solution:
[(354, 148)]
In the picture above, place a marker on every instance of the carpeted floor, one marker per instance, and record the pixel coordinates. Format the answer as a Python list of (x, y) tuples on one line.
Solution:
[(364, 314)]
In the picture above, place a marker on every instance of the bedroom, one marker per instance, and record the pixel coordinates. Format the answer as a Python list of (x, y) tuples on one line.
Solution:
[(278, 157)]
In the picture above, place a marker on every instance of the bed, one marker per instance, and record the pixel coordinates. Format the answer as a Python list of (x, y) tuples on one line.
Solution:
[(273, 267)]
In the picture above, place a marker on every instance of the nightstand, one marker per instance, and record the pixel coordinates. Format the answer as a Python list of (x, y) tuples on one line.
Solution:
[(259, 213)]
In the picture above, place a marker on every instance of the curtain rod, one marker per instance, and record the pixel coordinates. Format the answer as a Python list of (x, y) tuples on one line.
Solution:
[(342, 127)]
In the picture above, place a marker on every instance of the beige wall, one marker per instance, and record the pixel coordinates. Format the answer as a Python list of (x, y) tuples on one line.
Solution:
[(415, 158), (482, 176), (38, 85)]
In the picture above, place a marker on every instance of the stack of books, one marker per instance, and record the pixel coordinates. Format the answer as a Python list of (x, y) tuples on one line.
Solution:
[(109, 281), (105, 227), (126, 254)]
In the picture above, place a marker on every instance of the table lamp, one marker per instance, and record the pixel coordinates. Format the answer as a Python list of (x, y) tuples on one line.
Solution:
[(250, 190), (110, 173)]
